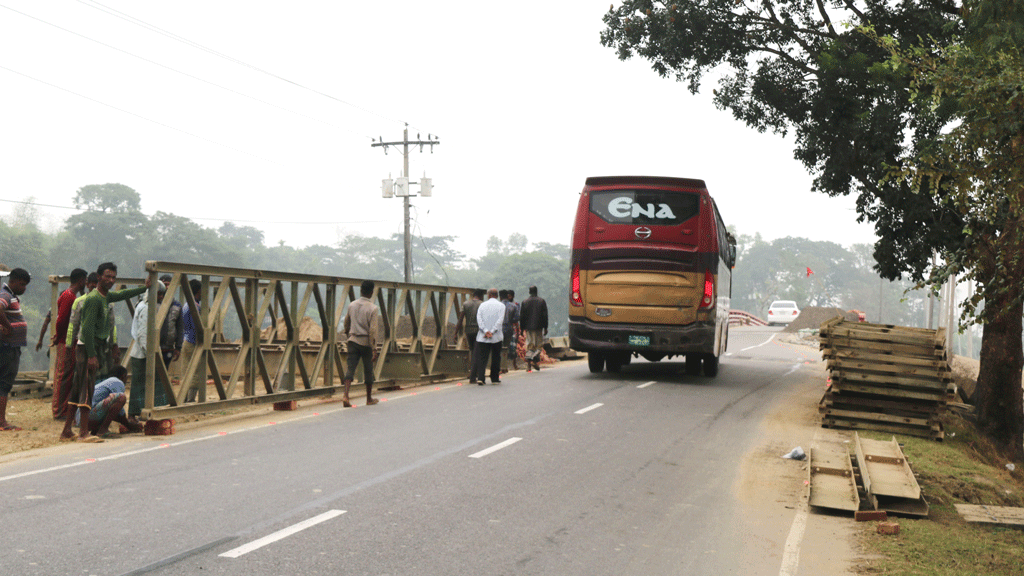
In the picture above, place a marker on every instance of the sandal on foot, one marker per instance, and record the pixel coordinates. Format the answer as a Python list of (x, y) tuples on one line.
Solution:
[(346, 403), (372, 401), (91, 439), (10, 428)]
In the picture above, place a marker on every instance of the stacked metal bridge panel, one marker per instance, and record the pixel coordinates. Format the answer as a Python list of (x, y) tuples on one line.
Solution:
[(888, 378)]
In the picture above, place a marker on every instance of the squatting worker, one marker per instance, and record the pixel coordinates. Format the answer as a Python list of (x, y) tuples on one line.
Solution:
[(361, 340)]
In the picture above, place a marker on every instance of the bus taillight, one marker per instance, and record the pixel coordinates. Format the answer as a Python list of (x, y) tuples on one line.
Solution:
[(577, 298), (708, 299)]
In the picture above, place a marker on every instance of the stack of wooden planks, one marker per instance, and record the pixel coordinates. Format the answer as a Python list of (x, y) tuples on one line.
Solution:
[(887, 378)]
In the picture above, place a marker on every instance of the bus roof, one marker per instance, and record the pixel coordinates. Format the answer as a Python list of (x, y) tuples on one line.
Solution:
[(645, 181)]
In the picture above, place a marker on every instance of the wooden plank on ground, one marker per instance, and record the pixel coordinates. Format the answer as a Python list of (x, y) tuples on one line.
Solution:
[(873, 484), (30, 389), (994, 515), (887, 465), (933, 432), (830, 479)]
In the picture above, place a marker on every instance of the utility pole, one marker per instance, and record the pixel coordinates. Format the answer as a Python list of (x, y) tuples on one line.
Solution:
[(401, 187), (931, 298)]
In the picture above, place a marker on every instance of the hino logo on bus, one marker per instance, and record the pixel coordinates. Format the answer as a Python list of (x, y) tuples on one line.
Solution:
[(643, 233), (623, 207)]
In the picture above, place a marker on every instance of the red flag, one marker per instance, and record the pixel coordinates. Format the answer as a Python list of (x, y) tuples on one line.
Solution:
[(809, 272)]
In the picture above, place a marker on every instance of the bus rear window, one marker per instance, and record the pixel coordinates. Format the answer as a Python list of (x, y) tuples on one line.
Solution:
[(648, 207)]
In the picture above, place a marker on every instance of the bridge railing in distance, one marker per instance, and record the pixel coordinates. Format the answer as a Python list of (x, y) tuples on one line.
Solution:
[(269, 337), (741, 318)]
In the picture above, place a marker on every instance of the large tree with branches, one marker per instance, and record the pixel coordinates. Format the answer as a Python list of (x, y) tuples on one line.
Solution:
[(806, 67)]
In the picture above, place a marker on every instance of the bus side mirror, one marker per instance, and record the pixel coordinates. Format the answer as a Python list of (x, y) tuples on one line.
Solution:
[(732, 255)]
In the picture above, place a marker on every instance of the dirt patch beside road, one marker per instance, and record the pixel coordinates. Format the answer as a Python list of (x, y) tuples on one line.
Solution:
[(772, 489), (40, 430)]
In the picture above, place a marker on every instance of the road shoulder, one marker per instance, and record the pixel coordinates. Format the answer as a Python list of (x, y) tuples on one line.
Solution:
[(782, 535)]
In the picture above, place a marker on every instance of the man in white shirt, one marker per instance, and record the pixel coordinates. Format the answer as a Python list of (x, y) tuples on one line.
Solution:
[(137, 359), (489, 317)]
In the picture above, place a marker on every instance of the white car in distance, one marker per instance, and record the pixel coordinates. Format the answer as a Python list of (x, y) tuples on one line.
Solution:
[(782, 312)]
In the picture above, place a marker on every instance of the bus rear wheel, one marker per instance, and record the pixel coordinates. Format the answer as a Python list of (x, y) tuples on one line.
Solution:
[(710, 365), (693, 362), (614, 362), (596, 362)]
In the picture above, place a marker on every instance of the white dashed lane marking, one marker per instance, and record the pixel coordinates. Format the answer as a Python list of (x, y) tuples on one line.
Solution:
[(282, 534), (495, 448)]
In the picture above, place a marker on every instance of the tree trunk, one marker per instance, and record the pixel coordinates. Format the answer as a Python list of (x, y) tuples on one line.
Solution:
[(1000, 400)]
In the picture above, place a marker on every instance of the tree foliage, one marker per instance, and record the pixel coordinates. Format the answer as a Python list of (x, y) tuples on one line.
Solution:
[(840, 276), (112, 228), (794, 67), (856, 119), (976, 170)]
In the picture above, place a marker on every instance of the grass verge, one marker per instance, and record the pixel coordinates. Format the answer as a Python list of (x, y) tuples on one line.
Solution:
[(965, 468)]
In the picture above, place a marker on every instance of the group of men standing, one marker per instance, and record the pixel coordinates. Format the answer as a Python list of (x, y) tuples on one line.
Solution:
[(498, 320), (89, 355), (89, 382)]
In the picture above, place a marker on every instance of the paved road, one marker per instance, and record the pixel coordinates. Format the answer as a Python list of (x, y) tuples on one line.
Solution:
[(557, 472)]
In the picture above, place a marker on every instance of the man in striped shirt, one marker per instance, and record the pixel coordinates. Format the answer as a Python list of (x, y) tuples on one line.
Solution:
[(13, 337)]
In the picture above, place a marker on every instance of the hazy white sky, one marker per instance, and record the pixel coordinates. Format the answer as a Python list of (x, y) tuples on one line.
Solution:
[(262, 113)]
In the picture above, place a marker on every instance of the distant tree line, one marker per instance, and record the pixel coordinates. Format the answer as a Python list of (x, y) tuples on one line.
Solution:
[(821, 273), (112, 227)]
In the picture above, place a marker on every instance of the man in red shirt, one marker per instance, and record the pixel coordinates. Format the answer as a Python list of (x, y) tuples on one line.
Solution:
[(65, 367)]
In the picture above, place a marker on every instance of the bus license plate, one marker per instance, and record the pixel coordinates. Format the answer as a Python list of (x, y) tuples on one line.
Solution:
[(639, 340)]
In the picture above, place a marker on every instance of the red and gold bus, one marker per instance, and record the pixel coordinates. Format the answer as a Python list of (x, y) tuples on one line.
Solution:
[(651, 273)]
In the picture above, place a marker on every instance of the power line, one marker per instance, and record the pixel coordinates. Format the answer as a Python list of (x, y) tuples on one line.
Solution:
[(183, 73), (130, 113), (141, 23), (85, 210), (444, 269)]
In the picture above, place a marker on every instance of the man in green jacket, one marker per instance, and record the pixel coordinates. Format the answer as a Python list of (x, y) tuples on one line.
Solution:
[(93, 354)]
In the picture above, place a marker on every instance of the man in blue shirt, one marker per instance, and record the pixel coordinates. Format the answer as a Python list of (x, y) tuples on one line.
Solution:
[(197, 387), (108, 400)]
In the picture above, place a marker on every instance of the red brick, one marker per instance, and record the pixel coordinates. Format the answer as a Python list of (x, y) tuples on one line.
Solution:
[(288, 405), (163, 427), (888, 528), (870, 515)]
